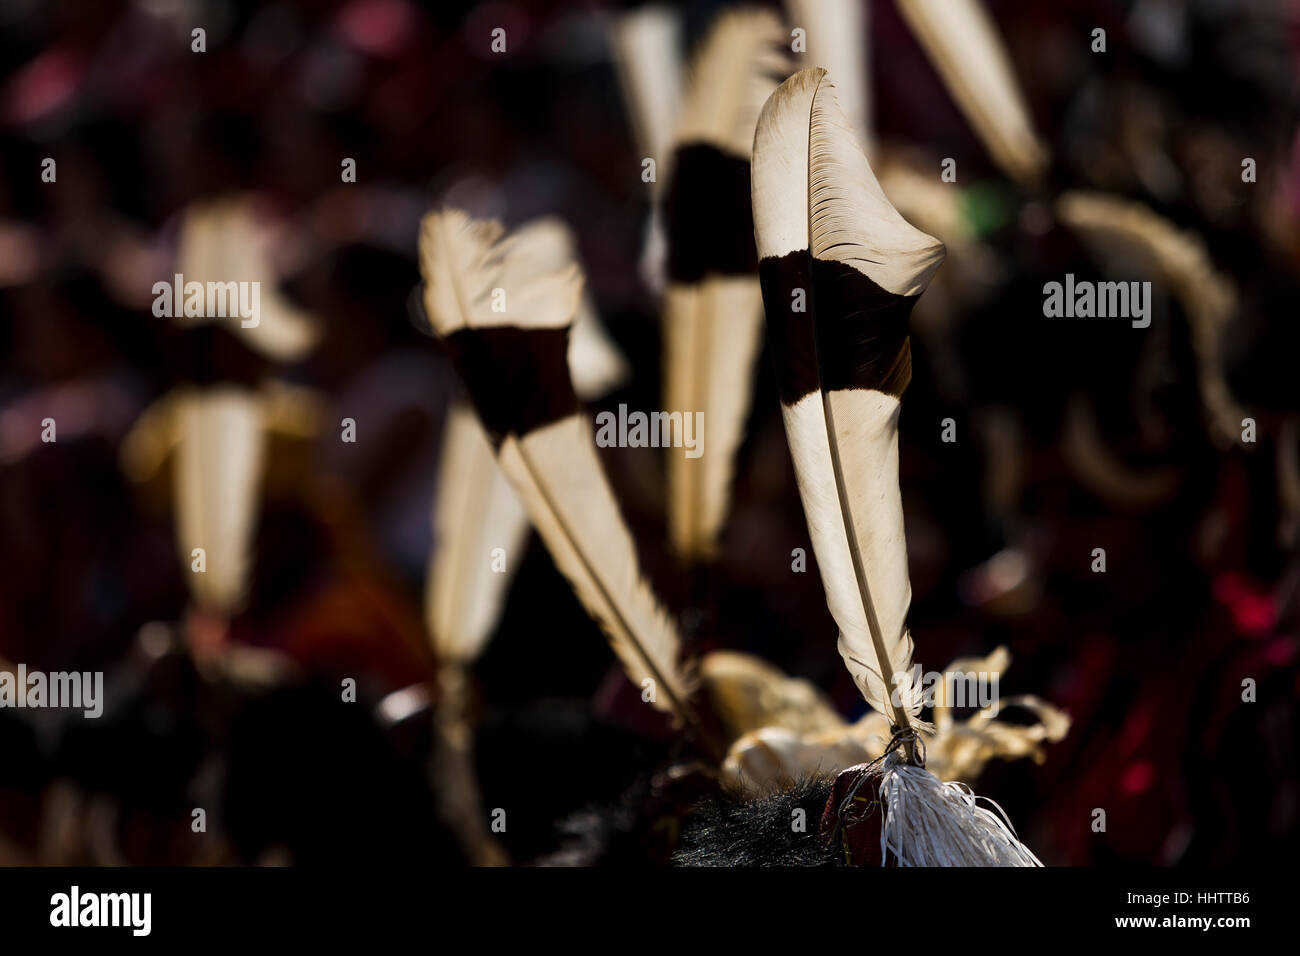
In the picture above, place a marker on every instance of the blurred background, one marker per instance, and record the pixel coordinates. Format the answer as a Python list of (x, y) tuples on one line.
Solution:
[(1071, 436)]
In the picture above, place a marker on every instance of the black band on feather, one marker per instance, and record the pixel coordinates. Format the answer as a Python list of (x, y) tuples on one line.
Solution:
[(518, 379), (861, 329), (709, 215), (793, 350)]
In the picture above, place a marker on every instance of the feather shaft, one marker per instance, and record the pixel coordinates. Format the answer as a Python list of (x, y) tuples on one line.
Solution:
[(824, 228), (513, 361)]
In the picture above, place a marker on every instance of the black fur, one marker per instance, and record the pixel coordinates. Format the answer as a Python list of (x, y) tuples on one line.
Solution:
[(727, 831)]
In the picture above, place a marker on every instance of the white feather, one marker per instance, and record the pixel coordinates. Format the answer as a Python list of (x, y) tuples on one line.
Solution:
[(220, 242), (963, 43), (850, 218), (475, 512), (646, 45), (731, 76), (595, 362), (712, 334), (477, 509), (220, 458), (814, 190), (560, 480), (837, 41), (475, 277), (554, 467), (713, 328)]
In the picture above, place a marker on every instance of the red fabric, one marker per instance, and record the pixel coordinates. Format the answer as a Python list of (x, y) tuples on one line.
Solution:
[(856, 832)]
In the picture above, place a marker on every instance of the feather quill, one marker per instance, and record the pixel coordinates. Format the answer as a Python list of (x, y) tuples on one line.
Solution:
[(713, 306), (514, 367), (962, 42), (825, 229)]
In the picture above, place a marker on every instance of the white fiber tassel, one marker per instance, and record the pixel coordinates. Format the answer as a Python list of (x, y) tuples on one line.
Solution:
[(932, 823)]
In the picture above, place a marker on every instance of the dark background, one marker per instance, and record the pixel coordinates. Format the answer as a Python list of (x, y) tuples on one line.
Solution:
[(1201, 585)]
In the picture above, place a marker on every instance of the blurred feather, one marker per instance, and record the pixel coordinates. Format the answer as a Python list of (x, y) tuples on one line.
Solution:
[(475, 512), (220, 242), (646, 45), (291, 416), (217, 478), (514, 365), (837, 42), (713, 309), (962, 42)]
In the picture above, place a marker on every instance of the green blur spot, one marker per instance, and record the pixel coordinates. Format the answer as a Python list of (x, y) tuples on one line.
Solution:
[(986, 207)]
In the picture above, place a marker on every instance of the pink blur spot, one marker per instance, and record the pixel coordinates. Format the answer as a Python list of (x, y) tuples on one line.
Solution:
[(380, 28), (1253, 610), (42, 86), (1138, 777)]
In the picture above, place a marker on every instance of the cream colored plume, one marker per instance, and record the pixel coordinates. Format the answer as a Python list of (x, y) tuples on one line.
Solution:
[(476, 512), (595, 363), (713, 326), (838, 42), (220, 459), (551, 462), (963, 44), (817, 202), (221, 243), (216, 444), (731, 75), (646, 45), (288, 412)]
